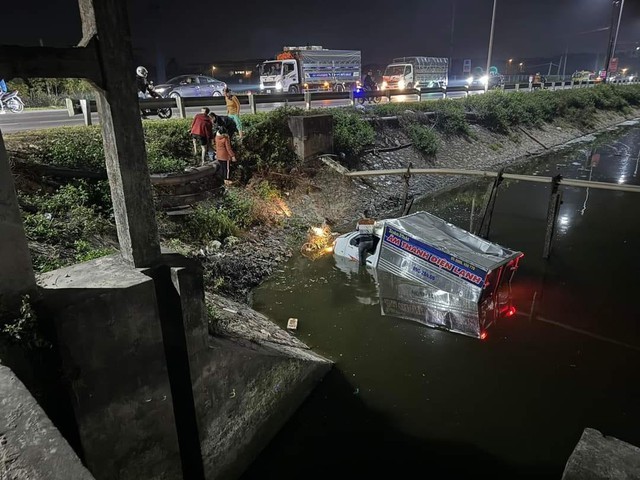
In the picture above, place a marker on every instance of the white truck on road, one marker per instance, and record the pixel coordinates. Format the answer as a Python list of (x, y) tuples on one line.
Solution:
[(416, 72), (313, 68)]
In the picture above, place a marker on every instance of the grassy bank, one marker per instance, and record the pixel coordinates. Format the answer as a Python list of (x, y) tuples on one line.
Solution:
[(267, 146), (71, 221)]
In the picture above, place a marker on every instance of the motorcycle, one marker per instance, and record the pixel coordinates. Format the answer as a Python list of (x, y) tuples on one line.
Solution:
[(11, 101), (163, 113), (362, 94)]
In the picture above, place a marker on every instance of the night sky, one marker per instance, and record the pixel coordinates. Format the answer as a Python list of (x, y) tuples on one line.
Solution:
[(191, 32)]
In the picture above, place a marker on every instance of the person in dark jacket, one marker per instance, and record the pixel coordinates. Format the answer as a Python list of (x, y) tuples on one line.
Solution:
[(369, 83), (224, 121), (201, 133)]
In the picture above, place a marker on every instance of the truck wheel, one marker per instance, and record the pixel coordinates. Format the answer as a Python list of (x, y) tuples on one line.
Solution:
[(293, 89)]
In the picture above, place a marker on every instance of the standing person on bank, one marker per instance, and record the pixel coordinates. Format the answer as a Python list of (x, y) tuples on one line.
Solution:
[(233, 109), (202, 133), (224, 153)]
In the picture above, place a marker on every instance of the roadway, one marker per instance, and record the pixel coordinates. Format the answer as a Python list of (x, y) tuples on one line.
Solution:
[(42, 119)]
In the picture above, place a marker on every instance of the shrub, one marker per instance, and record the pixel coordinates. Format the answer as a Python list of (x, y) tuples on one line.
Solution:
[(167, 142), (162, 164), (490, 111), (168, 139), (266, 191), (351, 132), (63, 217), (631, 94), (66, 225), (450, 117), (208, 222), (239, 207), (75, 147), (423, 138), (266, 143), (84, 251), (24, 328), (399, 108), (391, 109)]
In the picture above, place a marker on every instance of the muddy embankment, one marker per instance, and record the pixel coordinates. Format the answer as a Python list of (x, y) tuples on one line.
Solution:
[(329, 197)]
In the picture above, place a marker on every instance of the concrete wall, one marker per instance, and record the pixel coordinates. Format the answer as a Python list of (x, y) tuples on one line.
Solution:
[(110, 341), (597, 457), (257, 377), (154, 395), (17, 275), (312, 135), (31, 448)]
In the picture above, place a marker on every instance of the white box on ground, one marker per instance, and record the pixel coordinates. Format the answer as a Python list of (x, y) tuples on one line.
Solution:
[(292, 324)]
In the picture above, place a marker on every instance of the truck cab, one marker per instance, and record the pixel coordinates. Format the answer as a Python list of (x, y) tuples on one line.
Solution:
[(398, 76), (416, 72), (279, 76)]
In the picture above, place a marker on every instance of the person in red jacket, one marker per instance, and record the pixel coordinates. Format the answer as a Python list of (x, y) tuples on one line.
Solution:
[(224, 153), (202, 133)]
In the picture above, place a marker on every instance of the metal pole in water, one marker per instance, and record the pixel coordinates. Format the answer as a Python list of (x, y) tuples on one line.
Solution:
[(407, 176), (485, 224), (555, 200), (473, 207)]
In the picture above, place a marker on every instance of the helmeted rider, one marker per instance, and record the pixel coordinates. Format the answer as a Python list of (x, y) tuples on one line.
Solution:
[(142, 82), (369, 82)]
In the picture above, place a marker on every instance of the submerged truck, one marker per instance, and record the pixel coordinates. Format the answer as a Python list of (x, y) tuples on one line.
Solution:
[(433, 272), (298, 69), (416, 72)]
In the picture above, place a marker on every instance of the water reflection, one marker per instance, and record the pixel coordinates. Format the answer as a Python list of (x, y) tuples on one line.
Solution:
[(362, 280), (524, 395)]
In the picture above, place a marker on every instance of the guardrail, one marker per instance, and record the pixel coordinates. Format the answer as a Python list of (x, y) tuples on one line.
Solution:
[(86, 107)]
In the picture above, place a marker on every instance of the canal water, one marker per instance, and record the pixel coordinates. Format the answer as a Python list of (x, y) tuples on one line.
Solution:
[(406, 399)]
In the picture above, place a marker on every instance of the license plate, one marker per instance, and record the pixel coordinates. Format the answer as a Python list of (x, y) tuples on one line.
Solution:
[(268, 91)]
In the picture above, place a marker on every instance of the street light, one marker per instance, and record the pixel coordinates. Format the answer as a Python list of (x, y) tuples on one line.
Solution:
[(493, 22), (613, 36), (213, 69)]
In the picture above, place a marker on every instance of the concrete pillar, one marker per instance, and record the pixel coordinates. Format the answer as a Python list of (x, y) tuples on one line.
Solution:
[(307, 100), (16, 271), (125, 155), (85, 106), (312, 135), (109, 334), (182, 113), (70, 110), (252, 103)]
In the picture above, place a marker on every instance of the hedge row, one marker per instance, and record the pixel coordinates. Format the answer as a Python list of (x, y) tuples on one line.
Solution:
[(266, 145), (500, 111)]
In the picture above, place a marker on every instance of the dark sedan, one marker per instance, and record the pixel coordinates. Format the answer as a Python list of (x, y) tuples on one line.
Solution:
[(191, 86)]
